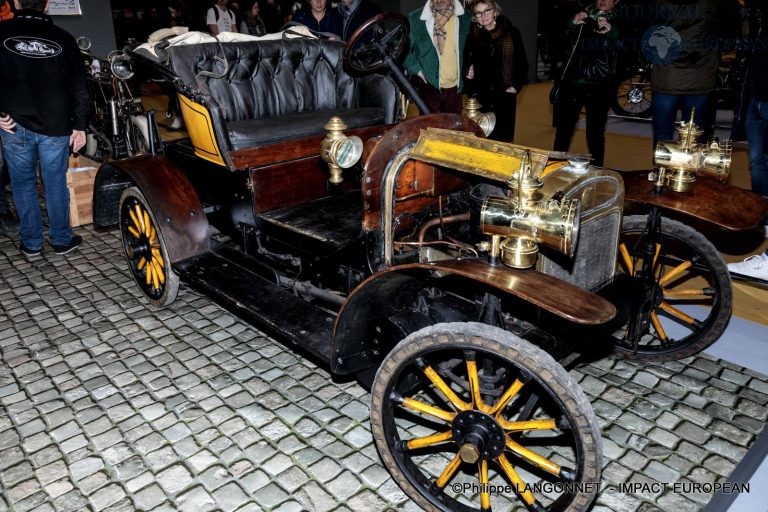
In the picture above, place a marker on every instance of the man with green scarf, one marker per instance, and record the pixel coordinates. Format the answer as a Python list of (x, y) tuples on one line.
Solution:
[(438, 33)]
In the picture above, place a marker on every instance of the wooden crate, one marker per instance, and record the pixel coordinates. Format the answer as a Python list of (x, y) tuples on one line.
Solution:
[(80, 176)]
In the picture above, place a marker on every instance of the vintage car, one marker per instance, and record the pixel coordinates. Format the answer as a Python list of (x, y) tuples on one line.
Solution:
[(449, 273)]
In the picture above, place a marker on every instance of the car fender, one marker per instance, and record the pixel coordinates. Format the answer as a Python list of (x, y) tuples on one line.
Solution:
[(355, 346), (170, 195), (729, 207)]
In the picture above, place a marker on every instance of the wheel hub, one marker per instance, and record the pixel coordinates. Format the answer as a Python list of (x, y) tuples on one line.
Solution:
[(635, 95), (478, 436), (138, 250)]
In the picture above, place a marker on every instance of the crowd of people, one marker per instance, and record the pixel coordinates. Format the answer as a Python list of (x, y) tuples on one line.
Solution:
[(253, 17), (459, 49)]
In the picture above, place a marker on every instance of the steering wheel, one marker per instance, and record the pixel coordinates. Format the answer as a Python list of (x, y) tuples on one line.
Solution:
[(377, 42)]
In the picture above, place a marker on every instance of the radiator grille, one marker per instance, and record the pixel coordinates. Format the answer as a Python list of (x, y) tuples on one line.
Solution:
[(594, 263)]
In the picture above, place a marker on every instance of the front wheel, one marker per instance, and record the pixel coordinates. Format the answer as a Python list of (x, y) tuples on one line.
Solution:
[(686, 304), (470, 417), (145, 249)]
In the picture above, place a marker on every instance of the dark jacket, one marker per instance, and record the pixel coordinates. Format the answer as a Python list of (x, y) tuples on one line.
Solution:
[(757, 72), (361, 11), (498, 57), (592, 56), (43, 76), (422, 54), (331, 22), (694, 69)]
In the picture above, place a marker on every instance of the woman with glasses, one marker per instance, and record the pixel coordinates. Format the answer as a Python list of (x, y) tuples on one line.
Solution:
[(496, 65)]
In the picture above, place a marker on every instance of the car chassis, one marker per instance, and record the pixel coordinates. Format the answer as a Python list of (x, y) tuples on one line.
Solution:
[(450, 274)]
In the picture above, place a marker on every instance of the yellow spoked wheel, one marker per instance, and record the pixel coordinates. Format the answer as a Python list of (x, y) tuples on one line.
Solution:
[(470, 417), (680, 301), (145, 249)]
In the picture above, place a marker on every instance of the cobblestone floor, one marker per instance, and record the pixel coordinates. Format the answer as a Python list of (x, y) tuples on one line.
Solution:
[(106, 404)]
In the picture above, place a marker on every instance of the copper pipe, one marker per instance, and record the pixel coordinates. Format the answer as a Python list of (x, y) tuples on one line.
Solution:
[(450, 219)]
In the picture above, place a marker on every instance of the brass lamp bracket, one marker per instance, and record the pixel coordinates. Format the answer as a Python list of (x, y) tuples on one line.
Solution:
[(339, 151)]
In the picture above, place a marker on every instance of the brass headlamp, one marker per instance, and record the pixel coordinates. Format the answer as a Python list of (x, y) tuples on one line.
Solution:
[(486, 121), (339, 151), (678, 162), (120, 64), (524, 222)]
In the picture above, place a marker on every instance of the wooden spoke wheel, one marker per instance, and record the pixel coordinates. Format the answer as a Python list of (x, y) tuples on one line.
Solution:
[(686, 305), (470, 417), (145, 249), (633, 97)]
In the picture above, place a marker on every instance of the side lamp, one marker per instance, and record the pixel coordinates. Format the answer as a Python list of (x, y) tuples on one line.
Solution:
[(339, 151), (486, 121), (678, 162)]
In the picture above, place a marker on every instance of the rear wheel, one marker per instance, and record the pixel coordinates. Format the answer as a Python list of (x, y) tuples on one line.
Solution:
[(470, 417), (633, 97), (690, 299), (145, 249)]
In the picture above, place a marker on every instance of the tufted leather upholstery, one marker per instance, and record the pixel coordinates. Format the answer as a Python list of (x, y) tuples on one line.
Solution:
[(279, 90)]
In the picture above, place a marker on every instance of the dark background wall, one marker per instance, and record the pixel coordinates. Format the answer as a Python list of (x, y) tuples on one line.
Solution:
[(95, 23)]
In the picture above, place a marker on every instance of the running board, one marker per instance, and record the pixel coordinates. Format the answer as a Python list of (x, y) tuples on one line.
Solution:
[(748, 279), (268, 306)]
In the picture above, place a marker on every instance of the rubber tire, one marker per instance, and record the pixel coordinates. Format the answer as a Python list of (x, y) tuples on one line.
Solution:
[(721, 278), (171, 289), (539, 364)]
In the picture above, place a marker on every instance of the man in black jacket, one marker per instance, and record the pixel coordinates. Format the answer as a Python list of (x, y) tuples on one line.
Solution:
[(588, 77), (45, 108)]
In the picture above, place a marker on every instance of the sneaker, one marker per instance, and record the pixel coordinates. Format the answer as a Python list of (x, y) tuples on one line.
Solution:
[(29, 253), (755, 266), (71, 246)]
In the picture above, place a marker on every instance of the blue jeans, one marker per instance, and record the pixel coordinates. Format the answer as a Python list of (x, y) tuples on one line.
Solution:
[(4, 206), (664, 109), (757, 145), (23, 149)]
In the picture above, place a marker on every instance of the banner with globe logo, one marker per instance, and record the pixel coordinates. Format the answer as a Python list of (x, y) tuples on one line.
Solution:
[(661, 44)]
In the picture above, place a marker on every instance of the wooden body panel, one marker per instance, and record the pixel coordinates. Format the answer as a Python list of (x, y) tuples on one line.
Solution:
[(292, 150), (416, 177), (729, 207), (172, 198)]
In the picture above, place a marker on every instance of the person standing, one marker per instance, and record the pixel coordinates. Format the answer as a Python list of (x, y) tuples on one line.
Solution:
[(8, 222), (434, 60), (46, 104), (757, 111), (318, 17), (354, 13), (252, 23), (220, 18), (589, 77), (498, 66), (684, 77)]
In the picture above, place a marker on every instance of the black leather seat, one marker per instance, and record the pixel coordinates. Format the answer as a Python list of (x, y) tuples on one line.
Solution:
[(280, 90)]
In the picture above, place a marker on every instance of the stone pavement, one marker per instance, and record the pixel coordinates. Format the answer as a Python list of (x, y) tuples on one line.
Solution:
[(108, 404)]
